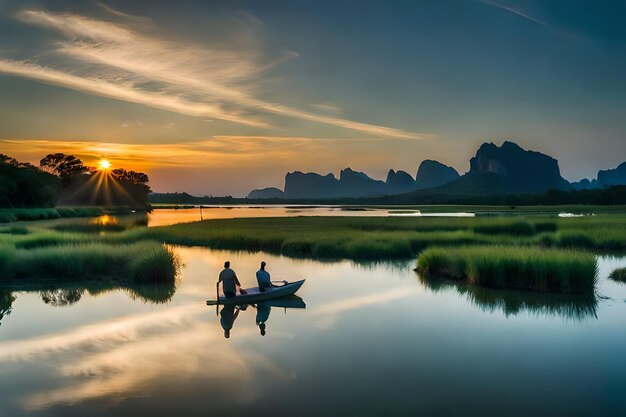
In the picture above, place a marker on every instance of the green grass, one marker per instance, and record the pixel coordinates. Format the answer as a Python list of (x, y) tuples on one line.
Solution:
[(358, 238), (363, 238), (140, 262), (15, 230), (28, 214), (618, 275), (8, 215), (513, 267)]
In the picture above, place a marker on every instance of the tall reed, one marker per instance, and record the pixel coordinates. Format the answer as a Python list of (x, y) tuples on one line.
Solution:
[(513, 267), (139, 262)]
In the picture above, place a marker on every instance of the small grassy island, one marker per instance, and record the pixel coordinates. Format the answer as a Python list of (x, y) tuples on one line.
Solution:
[(512, 267), (134, 263)]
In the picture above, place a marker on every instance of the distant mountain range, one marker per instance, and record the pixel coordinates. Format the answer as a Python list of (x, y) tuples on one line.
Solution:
[(506, 169), (358, 184), (605, 179)]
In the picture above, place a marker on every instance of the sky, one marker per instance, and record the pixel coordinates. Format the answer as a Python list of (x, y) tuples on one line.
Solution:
[(220, 97)]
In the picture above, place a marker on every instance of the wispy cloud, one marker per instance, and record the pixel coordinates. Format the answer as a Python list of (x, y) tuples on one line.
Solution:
[(515, 11), (124, 91), (130, 62), (221, 151)]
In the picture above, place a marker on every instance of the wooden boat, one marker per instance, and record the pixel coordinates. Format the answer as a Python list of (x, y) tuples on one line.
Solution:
[(254, 295)]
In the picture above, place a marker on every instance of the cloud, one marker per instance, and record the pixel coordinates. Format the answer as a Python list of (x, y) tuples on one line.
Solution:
[(221, 151), (131, 62), (123, 357), (123, 91), (515, 11), (328, 108)]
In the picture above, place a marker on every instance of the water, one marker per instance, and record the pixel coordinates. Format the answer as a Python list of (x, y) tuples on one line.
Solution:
[(163, 217), (374, 340)]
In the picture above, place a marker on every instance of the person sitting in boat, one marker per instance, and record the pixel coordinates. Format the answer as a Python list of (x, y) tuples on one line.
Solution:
[(229, 281), (263, 278)]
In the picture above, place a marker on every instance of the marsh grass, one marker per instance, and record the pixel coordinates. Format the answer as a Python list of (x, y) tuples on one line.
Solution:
[(513, 267), (90, 227), (619, 275), (14, 230), (9, 215), (137, 263), (156, 264), (357, 238), (373, 238)]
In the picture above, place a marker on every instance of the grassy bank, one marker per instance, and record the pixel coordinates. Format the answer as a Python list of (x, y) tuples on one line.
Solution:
[(138, 263), (27, 214), (359, 238), (512, 267), (392, 237), (8, 215)]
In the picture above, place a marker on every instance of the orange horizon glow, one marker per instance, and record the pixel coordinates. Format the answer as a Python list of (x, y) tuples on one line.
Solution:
[(232, 165)]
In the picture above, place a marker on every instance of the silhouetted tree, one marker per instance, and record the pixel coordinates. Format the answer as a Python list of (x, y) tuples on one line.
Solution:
[(131, 177), (64, 166), (5, 159), (24, 185), (135, 184)]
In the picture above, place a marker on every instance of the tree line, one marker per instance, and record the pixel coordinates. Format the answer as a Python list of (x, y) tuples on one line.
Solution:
[(65, 179)]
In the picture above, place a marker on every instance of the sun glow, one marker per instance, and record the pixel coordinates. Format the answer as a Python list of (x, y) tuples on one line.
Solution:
[(104, 164)]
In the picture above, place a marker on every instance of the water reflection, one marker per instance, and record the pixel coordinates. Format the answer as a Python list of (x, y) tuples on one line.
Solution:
[(576, 307), (100, 224), (153, 293), (398, 347), (229, 313), (61, 297), (6, 304)]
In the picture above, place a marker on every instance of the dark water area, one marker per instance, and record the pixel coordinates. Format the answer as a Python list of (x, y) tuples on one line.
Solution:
[(373, 340)]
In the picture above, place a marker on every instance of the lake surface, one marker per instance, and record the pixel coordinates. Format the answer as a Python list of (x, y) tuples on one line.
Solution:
[(163, 217), (373, 340)]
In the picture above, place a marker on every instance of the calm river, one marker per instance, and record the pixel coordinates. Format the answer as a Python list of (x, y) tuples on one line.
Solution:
[(373, 340)]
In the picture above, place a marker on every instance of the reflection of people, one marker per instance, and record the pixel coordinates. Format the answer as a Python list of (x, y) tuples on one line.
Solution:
[(229, 281), (262, 315), (227, 318), (263, 278)]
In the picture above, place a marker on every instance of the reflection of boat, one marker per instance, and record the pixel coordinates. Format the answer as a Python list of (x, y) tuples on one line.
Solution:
[(289, 301), (254, 296)]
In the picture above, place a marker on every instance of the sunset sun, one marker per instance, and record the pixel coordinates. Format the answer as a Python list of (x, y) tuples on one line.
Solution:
[(104, 164)]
